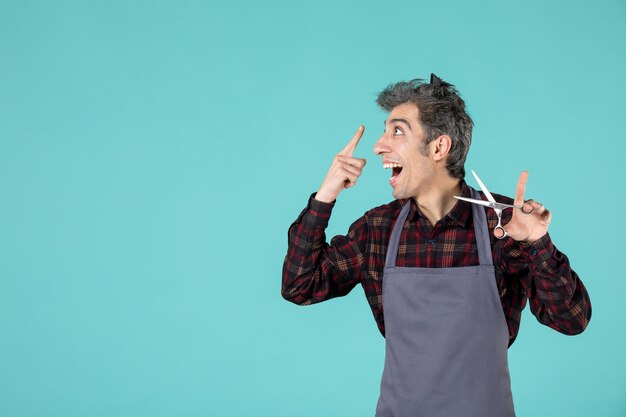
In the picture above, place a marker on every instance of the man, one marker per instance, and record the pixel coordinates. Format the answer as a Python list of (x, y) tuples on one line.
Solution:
[(446, 288)]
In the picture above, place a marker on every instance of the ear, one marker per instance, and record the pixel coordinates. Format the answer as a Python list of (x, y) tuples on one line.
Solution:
[(441, 147)]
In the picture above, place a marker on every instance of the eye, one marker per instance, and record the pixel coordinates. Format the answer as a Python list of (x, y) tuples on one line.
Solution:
[(397, 131)]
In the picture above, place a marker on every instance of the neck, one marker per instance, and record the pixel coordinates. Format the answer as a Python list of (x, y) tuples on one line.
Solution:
[(437, 201)]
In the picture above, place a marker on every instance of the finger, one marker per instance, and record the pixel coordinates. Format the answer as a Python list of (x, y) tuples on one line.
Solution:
[(528, 206), (531, 206), (548, 217), (350, 179), (352, 170), (349, 183), (521, 188), (543, 212), (356, 162), (538, 207), (351, 146)]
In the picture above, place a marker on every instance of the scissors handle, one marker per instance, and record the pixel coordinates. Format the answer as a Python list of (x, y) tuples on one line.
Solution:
[(524, 205), (502, 233)]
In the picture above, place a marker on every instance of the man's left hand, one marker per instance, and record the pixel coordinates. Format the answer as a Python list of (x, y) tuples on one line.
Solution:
[(531, 223)]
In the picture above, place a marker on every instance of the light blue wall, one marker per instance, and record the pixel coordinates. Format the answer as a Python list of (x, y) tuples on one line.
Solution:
[(153, 155)]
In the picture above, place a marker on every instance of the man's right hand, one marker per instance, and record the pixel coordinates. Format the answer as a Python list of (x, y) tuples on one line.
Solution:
[(343, 172)]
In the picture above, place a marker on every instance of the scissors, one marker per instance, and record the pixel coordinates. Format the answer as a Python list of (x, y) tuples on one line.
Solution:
[(497, 207)]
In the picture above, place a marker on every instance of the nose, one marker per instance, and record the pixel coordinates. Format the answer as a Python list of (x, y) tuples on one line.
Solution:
[(381, 146)]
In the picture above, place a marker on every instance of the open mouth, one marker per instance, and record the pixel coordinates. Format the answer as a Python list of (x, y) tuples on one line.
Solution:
[(395, 169)]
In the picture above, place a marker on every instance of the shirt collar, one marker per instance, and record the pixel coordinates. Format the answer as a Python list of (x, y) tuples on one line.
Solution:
[(460, 213)]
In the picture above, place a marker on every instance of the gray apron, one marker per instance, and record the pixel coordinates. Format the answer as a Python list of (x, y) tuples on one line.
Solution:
[(446, 336)]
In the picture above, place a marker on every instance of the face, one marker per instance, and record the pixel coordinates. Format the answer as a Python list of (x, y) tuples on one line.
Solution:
[(401, 149)]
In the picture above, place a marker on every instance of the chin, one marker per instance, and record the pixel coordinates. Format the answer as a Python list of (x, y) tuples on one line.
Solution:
[(398, 195)]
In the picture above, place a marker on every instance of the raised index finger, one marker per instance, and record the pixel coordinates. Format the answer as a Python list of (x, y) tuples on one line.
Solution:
[(520, 190), (351, 146)]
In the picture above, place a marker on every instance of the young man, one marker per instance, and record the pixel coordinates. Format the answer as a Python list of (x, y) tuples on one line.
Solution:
[(446, 290)]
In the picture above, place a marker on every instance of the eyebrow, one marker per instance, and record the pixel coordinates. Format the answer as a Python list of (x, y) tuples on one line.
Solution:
[(399, 120)]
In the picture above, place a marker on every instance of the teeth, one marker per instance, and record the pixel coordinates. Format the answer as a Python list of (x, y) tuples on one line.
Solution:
[(389, 166)]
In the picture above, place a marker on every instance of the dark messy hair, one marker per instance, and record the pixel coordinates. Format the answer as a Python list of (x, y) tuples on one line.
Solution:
[(441, 111)]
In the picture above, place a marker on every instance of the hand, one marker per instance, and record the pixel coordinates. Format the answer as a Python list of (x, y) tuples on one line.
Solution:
[(531, 222), (343, 172)]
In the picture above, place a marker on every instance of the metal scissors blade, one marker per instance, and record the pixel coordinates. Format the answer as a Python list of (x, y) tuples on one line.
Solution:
[(489, 203), (482, 187)]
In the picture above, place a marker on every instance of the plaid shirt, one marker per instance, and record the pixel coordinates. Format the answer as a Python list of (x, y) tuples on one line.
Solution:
[(314, 271)]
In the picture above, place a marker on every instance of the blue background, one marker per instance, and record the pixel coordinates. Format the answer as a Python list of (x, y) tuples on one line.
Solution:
[(153, 155)]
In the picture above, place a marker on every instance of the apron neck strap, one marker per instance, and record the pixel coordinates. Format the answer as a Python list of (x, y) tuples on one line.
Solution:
[(481, 230), (392, 249)]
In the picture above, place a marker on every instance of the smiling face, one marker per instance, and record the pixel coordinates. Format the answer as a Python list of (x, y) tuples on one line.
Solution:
[(402, 149)]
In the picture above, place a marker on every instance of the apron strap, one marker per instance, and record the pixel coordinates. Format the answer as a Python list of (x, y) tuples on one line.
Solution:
[(394, 240), (481, 230)]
